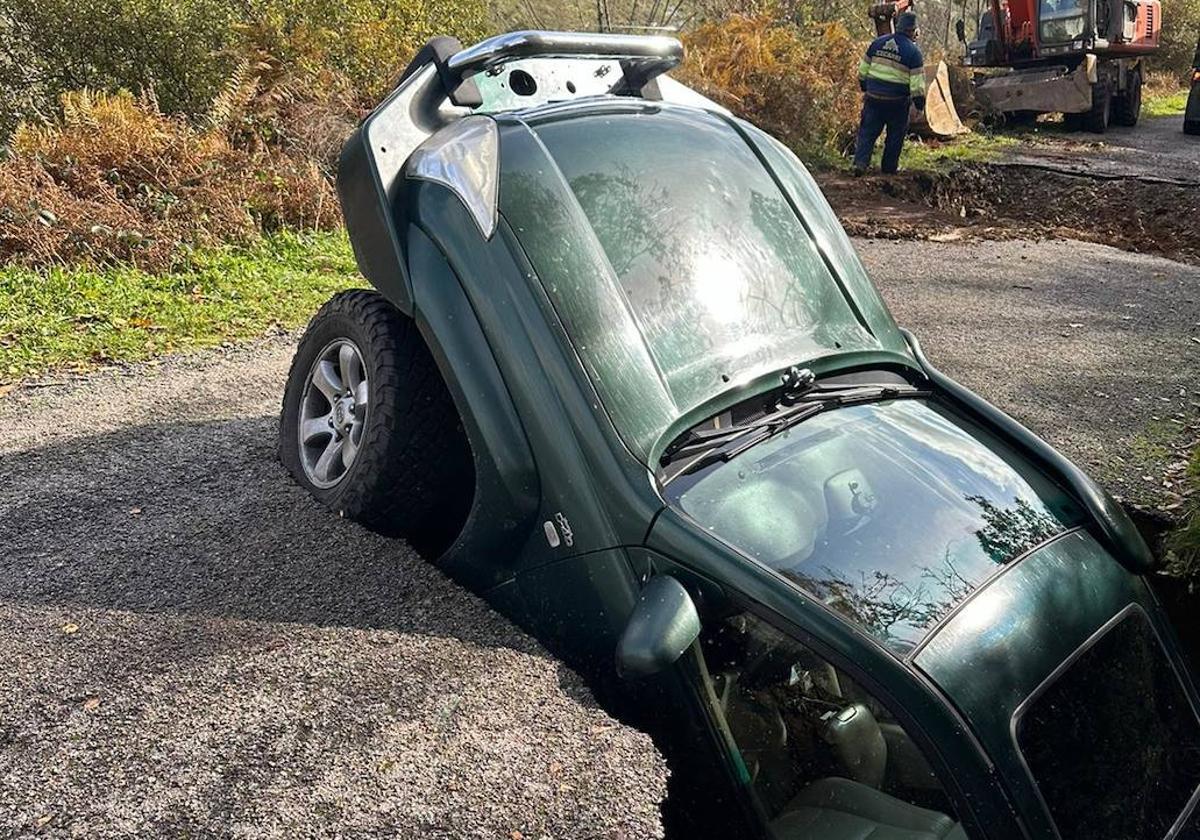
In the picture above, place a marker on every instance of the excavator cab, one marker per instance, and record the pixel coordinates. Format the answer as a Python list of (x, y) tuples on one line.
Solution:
[(1015, 33)]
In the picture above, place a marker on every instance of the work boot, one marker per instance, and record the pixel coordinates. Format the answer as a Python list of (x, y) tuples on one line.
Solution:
[(858, 171)]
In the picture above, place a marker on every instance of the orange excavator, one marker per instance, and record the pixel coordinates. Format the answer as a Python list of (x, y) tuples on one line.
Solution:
[(1083, 58)]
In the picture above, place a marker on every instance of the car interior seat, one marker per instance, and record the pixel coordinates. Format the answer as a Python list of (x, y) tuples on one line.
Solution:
[(841, 809)]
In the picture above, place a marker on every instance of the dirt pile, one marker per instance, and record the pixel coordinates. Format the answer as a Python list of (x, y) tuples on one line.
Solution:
[(1013, 201)]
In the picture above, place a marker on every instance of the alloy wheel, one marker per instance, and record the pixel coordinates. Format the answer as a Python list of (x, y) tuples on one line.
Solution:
[(333, 413)]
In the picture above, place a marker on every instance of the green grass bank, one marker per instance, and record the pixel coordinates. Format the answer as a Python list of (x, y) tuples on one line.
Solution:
[(73, 317)]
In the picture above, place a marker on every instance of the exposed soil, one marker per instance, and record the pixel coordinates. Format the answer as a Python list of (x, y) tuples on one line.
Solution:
[(1022, 200)]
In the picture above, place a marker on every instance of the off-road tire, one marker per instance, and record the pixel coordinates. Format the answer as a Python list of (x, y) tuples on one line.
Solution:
[(413, 475), (1128, 107), (1191, 127), (1097, 119)]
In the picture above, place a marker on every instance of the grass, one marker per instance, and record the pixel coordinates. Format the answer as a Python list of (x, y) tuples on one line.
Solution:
[(1184, 543), (926, 155), (1153, 443), (75, 318), (1165, 105), (976, 147)]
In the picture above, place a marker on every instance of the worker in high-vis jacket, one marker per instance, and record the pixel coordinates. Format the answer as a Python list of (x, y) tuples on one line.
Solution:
[(892, 76)]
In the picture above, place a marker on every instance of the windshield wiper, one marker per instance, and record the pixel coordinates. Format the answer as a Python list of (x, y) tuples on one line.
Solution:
[(726, 443), (700, 439)]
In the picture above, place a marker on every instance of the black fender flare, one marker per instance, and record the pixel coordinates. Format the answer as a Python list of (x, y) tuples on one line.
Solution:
[(507, 489)]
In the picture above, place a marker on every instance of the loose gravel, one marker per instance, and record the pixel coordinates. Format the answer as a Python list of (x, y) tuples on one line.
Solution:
[(190, 646)]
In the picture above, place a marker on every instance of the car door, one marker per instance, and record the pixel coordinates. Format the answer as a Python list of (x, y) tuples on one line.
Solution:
[(818, 756)]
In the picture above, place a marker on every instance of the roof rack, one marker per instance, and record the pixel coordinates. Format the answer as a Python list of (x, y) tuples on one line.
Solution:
[(643, 57)]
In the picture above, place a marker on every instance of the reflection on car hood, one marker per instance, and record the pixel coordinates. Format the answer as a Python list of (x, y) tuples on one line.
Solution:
[(675, 258)]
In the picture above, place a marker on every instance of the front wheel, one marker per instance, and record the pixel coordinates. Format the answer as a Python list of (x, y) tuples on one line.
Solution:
[(1128, 107), (369, 428), (1097, 119)]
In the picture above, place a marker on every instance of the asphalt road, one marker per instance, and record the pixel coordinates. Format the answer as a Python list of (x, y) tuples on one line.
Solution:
[(1156, 149), (190, 645)]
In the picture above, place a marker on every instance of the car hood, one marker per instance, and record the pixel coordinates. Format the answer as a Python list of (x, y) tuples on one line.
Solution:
[(685, 254), (1015, 637)]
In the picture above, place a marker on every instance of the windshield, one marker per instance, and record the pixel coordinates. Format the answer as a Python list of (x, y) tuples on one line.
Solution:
[(1061, 21), (890, 512)]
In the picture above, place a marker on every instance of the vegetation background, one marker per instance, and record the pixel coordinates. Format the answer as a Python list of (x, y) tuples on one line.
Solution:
[(166, 165), (137, 131)]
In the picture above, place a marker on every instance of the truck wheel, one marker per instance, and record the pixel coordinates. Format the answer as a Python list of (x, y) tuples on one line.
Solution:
[(1097, 119), (1128, 108), (1192, 127), (369, 428)]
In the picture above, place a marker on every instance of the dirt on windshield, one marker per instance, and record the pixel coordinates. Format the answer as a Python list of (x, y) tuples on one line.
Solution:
[(1022, 201)]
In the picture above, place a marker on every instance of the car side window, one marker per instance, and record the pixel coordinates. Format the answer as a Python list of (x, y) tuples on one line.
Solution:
[(823, 758)]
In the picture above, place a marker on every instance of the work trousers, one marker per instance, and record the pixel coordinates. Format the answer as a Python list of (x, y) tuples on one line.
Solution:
[(878, 114)]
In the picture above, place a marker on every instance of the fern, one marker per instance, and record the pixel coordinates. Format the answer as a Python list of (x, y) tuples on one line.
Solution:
[(78, 108), (236, 94)]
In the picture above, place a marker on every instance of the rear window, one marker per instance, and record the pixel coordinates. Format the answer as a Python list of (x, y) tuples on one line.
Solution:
[(1112, 742)]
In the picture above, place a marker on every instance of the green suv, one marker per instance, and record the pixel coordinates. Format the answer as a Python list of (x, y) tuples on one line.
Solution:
[(625, 377)]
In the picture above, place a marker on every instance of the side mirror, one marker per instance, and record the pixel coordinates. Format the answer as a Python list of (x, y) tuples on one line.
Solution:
[(663, 625), (960, 29)]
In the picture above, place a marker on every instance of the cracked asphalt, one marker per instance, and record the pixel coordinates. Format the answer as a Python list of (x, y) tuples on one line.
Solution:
[(1155, 150), (190, 646)]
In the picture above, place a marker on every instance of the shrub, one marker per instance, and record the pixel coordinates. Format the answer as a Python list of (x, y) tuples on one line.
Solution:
[(800, 86), (368, 41), (1181, 26), (177, 46), (113, 179), (303, 113), (187, 50)]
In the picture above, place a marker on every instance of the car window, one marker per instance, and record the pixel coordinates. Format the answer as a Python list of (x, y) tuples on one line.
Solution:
[(1112, 742), (823, 759), (1061, 20), (891, 513)]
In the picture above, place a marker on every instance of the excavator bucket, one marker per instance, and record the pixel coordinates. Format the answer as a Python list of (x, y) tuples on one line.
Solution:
[(940, 118)]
